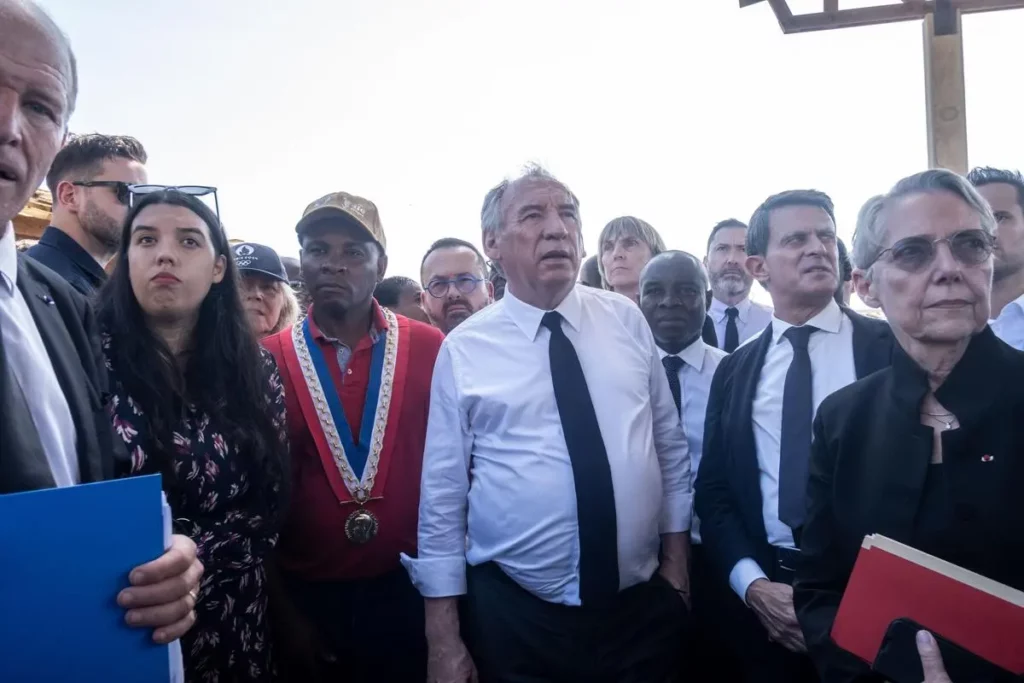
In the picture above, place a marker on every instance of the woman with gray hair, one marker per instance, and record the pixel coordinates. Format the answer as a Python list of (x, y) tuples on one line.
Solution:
[(267, 296), (626, 245), (930, 451)]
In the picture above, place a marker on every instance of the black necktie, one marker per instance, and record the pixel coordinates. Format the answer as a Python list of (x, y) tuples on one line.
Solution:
[(795, 443), (673, 364), (595, 496), (732, 333)]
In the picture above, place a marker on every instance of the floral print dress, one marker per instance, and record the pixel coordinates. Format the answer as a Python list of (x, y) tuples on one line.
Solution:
[(230, 640)]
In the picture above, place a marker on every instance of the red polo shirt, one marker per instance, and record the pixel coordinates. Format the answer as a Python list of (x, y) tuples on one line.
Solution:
[(313, 543)]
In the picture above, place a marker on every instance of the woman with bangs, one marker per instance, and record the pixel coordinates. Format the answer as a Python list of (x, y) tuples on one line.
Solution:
[(196, 400), (626, 245)]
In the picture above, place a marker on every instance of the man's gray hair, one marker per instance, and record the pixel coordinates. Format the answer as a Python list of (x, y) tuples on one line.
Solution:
[(34, 10), (870, 235), (492, 215)]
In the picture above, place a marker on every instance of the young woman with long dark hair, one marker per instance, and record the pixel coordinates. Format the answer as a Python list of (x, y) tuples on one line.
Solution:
[(196, 400)]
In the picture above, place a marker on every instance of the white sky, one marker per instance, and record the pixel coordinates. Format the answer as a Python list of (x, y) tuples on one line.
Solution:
[(681, 112)]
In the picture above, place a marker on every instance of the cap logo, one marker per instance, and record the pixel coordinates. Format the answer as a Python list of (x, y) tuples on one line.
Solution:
[(349, 205), (244, 250)]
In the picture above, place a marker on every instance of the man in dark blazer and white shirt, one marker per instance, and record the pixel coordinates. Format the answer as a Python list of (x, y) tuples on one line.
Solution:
[(751, 486), (54, 428)]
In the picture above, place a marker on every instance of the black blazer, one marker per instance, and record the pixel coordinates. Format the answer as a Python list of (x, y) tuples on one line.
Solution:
[(868, 470), (728, 488), (68, 328)]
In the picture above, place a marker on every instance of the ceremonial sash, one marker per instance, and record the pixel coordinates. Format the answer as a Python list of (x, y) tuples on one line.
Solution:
[(356, 464)]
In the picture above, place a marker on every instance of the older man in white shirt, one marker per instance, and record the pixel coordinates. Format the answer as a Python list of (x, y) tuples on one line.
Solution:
[(736, 317), (555, 468)]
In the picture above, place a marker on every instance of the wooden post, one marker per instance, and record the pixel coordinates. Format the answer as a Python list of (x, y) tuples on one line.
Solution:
[(944, 97)]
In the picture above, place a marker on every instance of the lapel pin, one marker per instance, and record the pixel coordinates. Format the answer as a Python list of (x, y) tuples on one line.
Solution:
[(987, 458), (47, 299)]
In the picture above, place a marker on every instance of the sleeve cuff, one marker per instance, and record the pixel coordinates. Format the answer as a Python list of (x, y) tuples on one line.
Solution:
[(676, 511), (746, 572), (437, 577)]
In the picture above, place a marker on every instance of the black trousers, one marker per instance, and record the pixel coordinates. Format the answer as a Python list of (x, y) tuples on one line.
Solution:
[(762, 660), (515, 637), (374, 628), (710, 654)]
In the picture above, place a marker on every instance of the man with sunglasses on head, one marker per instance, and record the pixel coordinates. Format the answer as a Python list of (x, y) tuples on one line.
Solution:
[(455, 284), (752, 481), (89, 182)]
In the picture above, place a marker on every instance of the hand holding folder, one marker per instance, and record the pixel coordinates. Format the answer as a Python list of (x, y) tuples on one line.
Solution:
[(66, 554), (895, 591)]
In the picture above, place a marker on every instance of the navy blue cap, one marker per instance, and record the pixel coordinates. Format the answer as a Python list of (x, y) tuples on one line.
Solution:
[(256, 258)]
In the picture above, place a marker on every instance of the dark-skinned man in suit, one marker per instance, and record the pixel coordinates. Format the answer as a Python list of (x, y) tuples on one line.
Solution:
[(55, 428), (752, 482)]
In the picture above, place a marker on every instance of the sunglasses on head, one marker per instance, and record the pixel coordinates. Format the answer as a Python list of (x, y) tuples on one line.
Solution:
[(913, 254), (193, 190)]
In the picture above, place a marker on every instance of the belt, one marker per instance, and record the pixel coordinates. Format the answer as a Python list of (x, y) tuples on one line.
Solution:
[(784, 564)]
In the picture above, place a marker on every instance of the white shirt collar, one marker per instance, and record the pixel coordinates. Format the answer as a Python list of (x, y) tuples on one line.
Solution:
[(829, 319), (693, 355), (527, 318), (718, 309), (9, 259)]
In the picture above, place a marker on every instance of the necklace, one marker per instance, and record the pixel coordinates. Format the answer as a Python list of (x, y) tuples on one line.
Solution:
[(941, 419)]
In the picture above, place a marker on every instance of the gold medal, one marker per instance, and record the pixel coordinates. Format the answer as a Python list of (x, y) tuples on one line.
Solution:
[(361, 526)]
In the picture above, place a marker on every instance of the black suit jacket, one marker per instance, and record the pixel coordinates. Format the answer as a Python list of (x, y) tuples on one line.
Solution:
[(728, 489), (868, 472), (68, 328)]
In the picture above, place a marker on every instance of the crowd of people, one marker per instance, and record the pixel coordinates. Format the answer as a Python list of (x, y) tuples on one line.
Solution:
[(520, 465)]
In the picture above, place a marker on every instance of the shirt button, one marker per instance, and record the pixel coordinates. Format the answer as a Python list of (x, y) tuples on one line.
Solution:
[(349, 372)]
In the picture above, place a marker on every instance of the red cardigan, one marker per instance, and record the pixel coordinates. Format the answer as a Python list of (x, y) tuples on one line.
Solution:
[(313, 544)]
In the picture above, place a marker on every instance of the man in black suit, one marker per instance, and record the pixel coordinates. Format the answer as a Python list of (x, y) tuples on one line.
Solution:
[(751, 486), (54, 428)]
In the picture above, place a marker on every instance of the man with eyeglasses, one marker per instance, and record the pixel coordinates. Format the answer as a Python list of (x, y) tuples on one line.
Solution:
[(89, 182), (455, 284)]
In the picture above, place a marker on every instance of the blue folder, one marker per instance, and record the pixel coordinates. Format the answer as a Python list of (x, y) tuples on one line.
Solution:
[(65, 554)]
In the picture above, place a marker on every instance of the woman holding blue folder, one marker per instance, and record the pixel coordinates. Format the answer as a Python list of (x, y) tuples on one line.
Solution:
[(196, 400)]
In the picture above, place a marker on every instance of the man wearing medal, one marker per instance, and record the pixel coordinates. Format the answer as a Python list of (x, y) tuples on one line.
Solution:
[(357, 381)]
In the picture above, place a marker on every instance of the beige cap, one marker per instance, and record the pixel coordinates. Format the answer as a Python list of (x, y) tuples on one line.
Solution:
[(355, 209)]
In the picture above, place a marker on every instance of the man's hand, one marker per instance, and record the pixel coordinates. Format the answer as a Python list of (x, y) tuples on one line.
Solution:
[(675, 563), (448, 660), (931, 659), (163, 592), (773, 605)]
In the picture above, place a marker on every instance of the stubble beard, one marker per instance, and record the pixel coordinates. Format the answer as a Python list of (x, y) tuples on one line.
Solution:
[(101, 227)]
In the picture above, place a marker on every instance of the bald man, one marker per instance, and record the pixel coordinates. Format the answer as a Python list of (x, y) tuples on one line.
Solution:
[(56, 432), (673, 297)]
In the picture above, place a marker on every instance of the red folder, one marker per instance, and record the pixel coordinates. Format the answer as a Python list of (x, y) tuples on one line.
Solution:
[(891, 580)]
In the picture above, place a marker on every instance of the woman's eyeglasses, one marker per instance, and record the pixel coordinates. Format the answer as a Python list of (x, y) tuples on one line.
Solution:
[(193, 190), (913, 254), (465, 284)]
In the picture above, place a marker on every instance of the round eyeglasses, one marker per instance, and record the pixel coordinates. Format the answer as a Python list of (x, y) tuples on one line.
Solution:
[(464, 284)]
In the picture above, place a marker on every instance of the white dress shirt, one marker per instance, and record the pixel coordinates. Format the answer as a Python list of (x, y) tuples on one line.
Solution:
[(832, 368), (30, 363), (1009, 325), (497, 479), (699, 364), (751, 321)]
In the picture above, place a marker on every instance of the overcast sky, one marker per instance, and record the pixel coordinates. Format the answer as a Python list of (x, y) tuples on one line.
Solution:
[(679, 112)]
